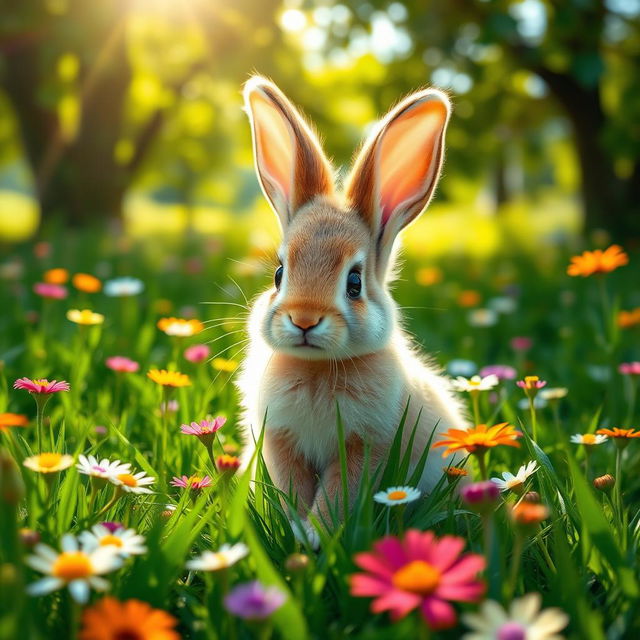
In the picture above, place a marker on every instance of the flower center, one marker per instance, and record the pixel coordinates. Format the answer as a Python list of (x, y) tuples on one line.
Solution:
[(41, 381), (72, 565), (511, 631), (110, 540), (194, 481), (127, 634), (588, 438), (397, 495), (417, 577), (128, 480), (49, 460)]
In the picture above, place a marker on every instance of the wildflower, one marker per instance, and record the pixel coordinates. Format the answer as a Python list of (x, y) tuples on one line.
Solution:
[(110, 619), (122, 364), (42, 249), (122, 287), (225, 557), (500, 371), (226, 462), (12, 420), (629, 368), (125, 542), (197, 353), (428, 276), (41, 386), (532, 496), (205, 430), (29, 537), (222, 364), (195, 483), (469, 298), (521, 343), (171, 406), (479, 439), (169, 378), (482, 318), (397, 495), (598, 261), (516, 483), (56, 276), (604, 483), (252, 601), (461, 367), (133, 482), (480, 496), (48, 462), (85, 317), (180, 327), (527, 514), (531, 385), (168, 511), (522, 621), (588, 439), (453, 473), (104, 469), (422, 571), (74, 567), (47, 290), (86, 283), (296, 563), (621, 437), (475, 384), (628, 319), (553, 393), (502, 304)]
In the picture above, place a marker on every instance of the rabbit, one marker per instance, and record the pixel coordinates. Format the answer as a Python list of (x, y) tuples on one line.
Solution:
[(328, 333)]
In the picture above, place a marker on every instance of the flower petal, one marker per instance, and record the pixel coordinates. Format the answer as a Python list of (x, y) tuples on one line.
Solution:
[(438, 613)]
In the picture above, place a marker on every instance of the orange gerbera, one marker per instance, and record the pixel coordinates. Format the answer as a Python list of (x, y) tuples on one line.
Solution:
[(528, 514), (180, 327), (86, 282), (479, 439), (628, 319), (169, 378), (619, 433), (12, 420), (598, 261), (110, 619), (56, 276)]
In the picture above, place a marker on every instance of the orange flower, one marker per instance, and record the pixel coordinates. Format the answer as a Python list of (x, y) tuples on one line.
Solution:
[(619, 433), (180, 327), (454, 472), (56, 276), (110, 619), (528, 514), (12, 420), (469, 298), (87, 283), (169, 378), (226, 462), (598, 261), (479, 439), (628, 319), (428, 276)]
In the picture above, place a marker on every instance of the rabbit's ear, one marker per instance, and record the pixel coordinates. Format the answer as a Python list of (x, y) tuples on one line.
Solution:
[(396, 171), (291, 166)]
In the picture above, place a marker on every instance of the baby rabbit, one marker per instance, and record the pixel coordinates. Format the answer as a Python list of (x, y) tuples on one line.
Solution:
[(327, 332)]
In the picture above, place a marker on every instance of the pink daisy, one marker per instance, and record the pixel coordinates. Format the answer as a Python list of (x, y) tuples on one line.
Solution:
[(49, 290), (122, 364), (197, 353), (629, 368), (205, 429), (41, 386), (419, 571), (194, 482)]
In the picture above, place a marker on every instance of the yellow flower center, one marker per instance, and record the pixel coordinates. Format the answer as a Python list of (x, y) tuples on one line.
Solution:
[(588, 438), (41, 381), (110, 540), (417, 577), (194, 480), (128, 480), (530, 381), (49, 460), (397, 495), (474, 383), (72, 565)]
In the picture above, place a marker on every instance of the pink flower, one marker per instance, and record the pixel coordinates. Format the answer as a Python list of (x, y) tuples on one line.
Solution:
[(531, 384), (501, 371), (41, 386), (47, 290), (521, 343), (205, 430), (480, 496), (422, 571), (197, 353), (194, 482), (122, 364), (629, 368)]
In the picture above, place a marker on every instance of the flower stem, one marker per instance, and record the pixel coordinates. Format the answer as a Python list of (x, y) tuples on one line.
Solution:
[(475, 401), (117, 493), (534, 421), (41, 402), (480, 457), (163, 436), (515, 566)]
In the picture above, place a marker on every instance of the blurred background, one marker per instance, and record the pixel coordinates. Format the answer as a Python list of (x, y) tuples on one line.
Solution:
[(130, 110)]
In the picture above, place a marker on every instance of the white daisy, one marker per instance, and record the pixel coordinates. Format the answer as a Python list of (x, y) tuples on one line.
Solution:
[(554, 393), (125, 286), (125, 542), (133, 482), (476, 383), (588, 439), (74, 567), (225, 557), (397, 495), (516, 483), (482, 318), (523, 620), (90, 466)]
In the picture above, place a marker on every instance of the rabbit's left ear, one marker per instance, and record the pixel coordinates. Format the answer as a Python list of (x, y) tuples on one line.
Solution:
[(395, 173)]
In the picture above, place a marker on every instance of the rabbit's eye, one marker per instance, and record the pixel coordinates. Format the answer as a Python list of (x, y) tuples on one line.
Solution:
[(354, 285), (278, 276)]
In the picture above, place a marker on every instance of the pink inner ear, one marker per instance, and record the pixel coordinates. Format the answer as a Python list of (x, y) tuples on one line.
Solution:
[(407, 162), (273, 143)]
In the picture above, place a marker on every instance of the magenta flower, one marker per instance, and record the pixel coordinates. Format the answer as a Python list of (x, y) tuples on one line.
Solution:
[(253, 601), (41, 386), (480, 496), (521, 343), (629, 368), (122, 364), (197, 353), (194, 482), (501, 371), (531, 385), (419, 571), (205, 429), (112, 526), (48, 290)]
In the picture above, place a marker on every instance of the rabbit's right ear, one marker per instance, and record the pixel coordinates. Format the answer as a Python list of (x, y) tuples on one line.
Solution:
[(291, 166)]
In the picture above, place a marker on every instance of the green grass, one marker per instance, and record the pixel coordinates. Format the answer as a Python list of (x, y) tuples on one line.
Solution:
[(584, 558)]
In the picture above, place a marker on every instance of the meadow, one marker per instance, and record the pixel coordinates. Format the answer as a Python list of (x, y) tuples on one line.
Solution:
[(212, 553)]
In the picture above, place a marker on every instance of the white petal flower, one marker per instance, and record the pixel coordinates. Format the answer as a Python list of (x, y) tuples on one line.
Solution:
[(225, 557), (588, 439), (133, 482), (397, 495), (90, 466), (516, 482), (553, 393), (476, 383), (125, 542)]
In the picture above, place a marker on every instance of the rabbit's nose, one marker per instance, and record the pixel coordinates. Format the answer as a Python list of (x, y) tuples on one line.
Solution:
[(305, 321)]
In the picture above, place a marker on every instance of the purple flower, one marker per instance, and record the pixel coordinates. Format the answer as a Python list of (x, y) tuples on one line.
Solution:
[(252, 601), (111, 526), (521, 343), (501, 371), (480, 496)]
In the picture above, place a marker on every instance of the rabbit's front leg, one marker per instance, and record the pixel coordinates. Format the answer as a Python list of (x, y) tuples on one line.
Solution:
[(288, 469)]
